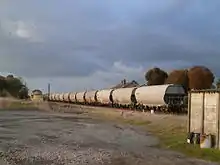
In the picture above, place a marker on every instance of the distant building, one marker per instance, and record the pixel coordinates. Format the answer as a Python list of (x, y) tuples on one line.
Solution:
[(37, 95), (125, 84)]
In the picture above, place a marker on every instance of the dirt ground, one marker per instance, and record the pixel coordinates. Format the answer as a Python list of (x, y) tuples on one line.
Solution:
[(32, 137)]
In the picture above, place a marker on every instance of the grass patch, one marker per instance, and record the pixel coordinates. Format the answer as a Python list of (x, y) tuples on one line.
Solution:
[(15, 105), (175, 139)]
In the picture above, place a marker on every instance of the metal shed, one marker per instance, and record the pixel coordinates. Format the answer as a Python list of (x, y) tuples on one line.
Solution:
[(37, 95), (204, 113)]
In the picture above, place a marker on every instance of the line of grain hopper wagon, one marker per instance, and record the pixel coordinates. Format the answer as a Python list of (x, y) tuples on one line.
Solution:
[(166, 98)]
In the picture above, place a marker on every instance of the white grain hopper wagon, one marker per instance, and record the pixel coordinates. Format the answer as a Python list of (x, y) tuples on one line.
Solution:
[(104, 96), (56, 98), (123, 96), (61, 97), (160, 95), (90, 96), (72, 97), (66, 97), (80, 97), (51, 97)]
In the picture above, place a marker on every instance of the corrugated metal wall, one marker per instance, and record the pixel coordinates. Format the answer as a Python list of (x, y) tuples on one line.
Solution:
[(203, 113)]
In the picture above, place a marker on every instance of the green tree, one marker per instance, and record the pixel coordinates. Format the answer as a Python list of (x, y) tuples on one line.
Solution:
[(179, 77), (2, 83), (155, 76), (23, 93), (15, 86), (200, 77)]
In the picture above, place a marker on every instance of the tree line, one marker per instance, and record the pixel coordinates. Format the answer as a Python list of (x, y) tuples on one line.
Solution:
[(11, 86), (197, 77)]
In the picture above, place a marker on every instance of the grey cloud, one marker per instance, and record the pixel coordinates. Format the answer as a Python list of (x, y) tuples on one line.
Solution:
[(97, 80), (46, 59), (80, 38)]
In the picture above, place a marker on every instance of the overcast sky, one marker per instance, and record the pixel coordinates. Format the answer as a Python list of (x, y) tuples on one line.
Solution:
[(86, 44)]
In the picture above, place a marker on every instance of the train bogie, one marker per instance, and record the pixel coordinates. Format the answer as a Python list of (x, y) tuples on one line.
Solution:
[(80, 97), (104, 97), (90, 97)]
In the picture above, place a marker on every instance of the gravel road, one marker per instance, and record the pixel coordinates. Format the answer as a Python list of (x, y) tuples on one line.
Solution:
[(38, 138)]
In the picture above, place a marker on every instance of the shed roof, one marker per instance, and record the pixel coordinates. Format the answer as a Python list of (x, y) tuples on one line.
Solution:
[(37, 92), (204, 90)]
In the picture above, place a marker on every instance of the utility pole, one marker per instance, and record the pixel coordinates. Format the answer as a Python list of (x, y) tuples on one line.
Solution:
[(48, 90)]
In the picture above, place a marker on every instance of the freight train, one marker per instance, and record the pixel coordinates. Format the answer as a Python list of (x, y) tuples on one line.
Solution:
[(160, 98)]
